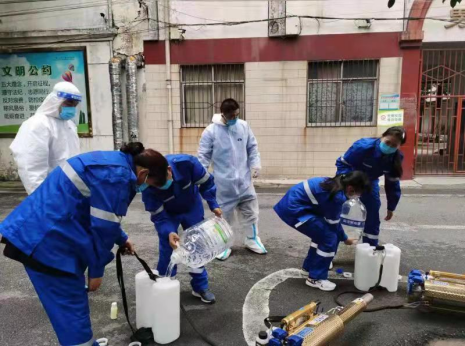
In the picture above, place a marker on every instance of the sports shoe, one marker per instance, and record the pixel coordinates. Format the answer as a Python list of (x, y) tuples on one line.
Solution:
[(224, 255), (206, 296), (324, 285), (255, 245)]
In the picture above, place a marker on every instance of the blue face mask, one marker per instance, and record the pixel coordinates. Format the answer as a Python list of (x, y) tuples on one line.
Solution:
[(142, 187), (231, 122), (386, 149), (167, 185), (67, 113)]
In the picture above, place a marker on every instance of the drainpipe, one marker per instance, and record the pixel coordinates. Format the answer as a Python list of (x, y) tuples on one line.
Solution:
[(168, 76), (132, 63), (116, 100)]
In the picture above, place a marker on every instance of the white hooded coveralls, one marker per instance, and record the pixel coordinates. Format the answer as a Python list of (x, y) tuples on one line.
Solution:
[(233, 151), (45, 141)]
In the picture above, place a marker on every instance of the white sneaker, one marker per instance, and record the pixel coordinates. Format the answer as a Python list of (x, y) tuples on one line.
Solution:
[(224, 255), (255, 245), (324, 285)]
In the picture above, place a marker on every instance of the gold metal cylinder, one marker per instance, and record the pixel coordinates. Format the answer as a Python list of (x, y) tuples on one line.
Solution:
[(325, 332), (297, 318), (438, 274), (444, 291)]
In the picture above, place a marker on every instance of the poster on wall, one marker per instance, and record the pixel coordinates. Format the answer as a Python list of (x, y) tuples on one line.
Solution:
[(27, 78), (391, 118)]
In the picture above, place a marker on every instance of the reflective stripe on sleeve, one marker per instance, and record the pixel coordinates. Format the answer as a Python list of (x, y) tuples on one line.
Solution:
[(75, 179), (309, 193), (203, 179), (158, 211), (105, 215)]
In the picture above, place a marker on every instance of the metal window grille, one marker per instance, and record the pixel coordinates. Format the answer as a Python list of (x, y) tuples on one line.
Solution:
[(342, 93), (204, 87)]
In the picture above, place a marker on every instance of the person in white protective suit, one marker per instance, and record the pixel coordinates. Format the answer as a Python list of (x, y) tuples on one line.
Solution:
[(230, 145), (49, 137)]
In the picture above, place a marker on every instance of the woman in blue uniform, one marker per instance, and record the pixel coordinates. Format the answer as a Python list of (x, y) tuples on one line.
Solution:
[(175, 200), (377, 157), (69, 225), (313, 208)]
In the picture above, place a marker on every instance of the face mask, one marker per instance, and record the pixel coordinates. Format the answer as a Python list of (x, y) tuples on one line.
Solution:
[(140, 188), (386, 149), (167, 185), (67, 113), (231, 122)]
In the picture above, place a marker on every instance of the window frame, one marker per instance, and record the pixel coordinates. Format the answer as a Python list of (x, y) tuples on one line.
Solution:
[(340, 81), (212, 83)]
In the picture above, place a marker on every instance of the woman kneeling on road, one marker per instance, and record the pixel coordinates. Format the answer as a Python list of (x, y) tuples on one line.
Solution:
[(313, 208)]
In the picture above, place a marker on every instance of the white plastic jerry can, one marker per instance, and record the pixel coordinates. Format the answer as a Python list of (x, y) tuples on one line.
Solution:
[(368, 261), (143, 300), (165, 306)]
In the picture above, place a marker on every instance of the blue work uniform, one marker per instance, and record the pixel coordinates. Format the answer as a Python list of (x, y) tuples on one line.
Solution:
[(309, 209), (181, 204), (69, 224), (365, 155)]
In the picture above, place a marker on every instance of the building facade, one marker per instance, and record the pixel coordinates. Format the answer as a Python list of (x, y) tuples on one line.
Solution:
[(311, 77)]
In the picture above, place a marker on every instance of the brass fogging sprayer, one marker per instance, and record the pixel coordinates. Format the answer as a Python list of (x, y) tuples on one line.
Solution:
[(437, 291), (306, 326)]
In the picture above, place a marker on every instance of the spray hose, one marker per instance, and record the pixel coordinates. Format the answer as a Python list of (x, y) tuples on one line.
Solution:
[(145, 335)]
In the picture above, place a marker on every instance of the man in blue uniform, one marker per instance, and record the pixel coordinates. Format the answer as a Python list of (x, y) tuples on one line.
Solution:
[(175, 200)]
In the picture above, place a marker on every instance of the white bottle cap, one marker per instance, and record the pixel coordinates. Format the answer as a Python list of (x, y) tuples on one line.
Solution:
[(114, 304)]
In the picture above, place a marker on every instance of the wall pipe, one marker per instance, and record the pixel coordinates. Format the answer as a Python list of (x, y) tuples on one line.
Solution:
[(117, 100), (132, 62), (168, 76)]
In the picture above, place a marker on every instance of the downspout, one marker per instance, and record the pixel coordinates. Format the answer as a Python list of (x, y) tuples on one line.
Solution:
[(168, 76), (116, 100), (132, 63)]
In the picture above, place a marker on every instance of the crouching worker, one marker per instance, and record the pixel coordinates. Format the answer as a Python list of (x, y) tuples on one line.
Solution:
[(70, 224), (313, 208), (174, 200)]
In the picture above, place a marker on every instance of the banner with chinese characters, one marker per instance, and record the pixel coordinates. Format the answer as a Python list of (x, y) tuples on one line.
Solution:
[(27, 78)]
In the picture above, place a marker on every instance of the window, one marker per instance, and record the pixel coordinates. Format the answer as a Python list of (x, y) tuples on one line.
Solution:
[(342, 93), (204, 87)]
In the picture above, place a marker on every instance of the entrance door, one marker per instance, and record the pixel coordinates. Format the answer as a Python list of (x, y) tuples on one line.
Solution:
[(440, 148)]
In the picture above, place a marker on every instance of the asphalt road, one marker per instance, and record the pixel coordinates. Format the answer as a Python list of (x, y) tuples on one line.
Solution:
[(429, 228)]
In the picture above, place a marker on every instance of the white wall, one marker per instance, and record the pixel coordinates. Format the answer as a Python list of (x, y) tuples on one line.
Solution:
[(276, 108), (435, 30), (56, 15), (190, 12)]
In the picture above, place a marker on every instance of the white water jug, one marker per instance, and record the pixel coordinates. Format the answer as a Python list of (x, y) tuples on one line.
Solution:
[(353, 216), (158, 307), (143, 296), (166, 305), (368, 262), (202, 242)]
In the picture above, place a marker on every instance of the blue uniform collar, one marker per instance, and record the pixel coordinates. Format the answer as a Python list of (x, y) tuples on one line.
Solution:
[(378, 153)]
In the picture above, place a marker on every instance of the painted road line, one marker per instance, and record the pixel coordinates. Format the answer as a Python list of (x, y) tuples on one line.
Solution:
[(404, 227), (382, 195)]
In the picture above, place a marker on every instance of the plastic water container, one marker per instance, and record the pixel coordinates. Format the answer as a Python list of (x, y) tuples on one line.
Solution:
[(158, 307), (202, 242), (143, 297), (166, 317), (368, 261), (353, 217)]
